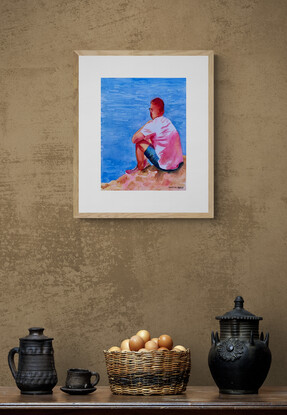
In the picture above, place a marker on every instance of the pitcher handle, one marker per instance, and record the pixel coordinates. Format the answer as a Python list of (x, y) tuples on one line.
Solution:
[(11, 361), (96, 374)]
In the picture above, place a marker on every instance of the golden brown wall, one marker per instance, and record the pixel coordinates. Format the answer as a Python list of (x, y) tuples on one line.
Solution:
[(92, 283)]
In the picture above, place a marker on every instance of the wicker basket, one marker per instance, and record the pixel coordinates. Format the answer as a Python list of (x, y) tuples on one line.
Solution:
[(148, 373)]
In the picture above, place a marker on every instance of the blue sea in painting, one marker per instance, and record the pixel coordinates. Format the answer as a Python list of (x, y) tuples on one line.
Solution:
[(125, 106)]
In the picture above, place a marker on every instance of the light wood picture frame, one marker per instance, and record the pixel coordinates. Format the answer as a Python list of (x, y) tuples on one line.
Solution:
[(132, 108)]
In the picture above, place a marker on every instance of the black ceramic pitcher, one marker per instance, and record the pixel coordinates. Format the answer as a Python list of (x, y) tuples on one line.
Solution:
[(36, 374)]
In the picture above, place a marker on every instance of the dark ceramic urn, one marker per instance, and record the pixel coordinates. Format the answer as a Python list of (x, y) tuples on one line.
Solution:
[(36, 374), (239, 360)]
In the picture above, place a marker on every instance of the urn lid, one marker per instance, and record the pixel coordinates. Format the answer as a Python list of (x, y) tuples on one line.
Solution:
[(36, 334), (238, 313)]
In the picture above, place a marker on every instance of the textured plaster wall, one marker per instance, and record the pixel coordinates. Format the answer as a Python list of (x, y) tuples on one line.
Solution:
[(92, 283)]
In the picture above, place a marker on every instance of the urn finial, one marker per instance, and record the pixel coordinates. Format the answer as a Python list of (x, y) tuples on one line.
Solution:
[(238, 302)]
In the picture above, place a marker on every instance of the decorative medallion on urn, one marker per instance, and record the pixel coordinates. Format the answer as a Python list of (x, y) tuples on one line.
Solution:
[(239, 361)]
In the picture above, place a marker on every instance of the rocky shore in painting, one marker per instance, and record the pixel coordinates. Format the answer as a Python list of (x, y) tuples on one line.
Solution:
[(150, 179)]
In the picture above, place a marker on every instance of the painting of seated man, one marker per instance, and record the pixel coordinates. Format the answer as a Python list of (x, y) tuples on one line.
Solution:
[(143, 150)]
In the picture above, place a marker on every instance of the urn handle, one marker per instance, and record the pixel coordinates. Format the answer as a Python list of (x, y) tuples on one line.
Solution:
[(11, 361)]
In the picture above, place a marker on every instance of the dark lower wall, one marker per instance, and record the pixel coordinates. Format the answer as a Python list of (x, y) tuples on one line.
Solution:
[(92, 283)]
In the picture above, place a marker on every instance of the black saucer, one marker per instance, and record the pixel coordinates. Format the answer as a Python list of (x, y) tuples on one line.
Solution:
[(77, 391)]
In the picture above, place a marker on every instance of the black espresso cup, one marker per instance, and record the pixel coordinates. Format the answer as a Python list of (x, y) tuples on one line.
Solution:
[(81, 379)]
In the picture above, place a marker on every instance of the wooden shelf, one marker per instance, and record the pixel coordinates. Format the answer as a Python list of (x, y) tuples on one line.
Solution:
[(196, 400)]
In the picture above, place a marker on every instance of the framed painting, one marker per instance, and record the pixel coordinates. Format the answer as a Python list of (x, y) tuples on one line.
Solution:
[(144, 134)]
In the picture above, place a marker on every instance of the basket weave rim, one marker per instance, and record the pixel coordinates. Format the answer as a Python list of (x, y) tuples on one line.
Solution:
[(149, 351)]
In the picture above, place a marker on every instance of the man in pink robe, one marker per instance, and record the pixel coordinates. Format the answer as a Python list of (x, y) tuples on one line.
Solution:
[(157, 141)]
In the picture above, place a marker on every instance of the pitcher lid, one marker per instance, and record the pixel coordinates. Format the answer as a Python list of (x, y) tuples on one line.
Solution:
[(36, 333), (238, 312)]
